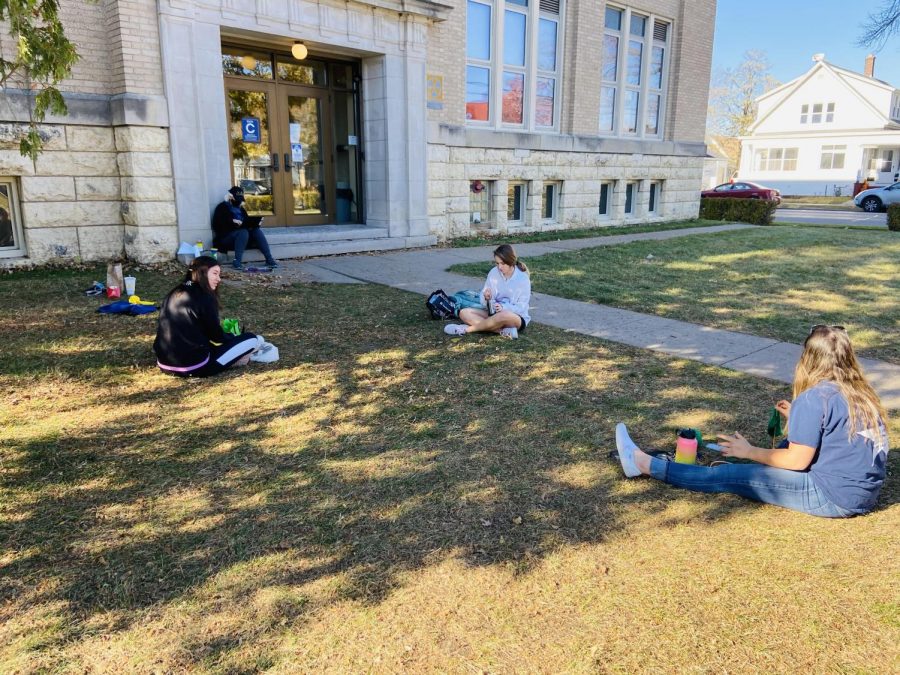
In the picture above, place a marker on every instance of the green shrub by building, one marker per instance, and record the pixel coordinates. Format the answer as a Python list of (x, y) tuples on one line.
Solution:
[(753, 211), (893, 217)]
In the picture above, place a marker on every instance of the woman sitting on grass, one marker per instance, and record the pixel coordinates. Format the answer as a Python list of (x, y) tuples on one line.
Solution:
[(190, 341), (507, 292), (834, 462)]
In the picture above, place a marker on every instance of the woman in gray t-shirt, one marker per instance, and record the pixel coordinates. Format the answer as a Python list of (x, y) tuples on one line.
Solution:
[(834, 462)]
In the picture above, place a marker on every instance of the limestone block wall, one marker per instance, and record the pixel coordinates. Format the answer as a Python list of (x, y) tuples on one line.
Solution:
[(85, 195), (579, 174)]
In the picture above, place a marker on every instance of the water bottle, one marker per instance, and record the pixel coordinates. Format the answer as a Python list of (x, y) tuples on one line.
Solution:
[(686, 447), (198, 249), (214, 254)]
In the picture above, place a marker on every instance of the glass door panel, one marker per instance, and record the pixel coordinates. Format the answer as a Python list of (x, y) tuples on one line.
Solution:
[(307, 164), (346, 158), (251, 148)]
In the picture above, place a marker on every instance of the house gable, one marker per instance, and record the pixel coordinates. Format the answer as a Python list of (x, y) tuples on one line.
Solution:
[(859, 103)]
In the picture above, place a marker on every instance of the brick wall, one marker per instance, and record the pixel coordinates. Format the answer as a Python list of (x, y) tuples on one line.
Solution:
[(118, 42)]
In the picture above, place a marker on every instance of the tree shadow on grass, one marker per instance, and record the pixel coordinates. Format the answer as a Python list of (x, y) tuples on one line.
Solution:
[(374, 449)]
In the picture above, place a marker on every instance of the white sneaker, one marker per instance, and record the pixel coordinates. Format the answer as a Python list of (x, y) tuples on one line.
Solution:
[(455, 329), (510, 332), (626, 448)]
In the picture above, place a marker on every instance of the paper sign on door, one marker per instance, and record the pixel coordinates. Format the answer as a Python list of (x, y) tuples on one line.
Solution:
[(296, 153), (295, 132)]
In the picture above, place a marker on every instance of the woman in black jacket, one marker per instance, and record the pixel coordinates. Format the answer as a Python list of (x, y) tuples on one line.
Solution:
[(190, 341)]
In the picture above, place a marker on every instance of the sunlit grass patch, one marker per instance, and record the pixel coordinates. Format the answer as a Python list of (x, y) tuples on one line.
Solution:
[(774, 282), (385, 498)]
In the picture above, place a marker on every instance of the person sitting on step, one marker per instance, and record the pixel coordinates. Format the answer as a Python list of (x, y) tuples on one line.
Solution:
[(235, 229)]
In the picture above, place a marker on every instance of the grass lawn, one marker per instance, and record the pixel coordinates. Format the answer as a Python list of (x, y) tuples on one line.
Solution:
[(388, 499), (770, 281), (586, 233)]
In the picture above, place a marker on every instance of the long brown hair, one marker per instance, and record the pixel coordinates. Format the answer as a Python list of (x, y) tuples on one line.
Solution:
[(828, 357), (507, 254), (197, 274)]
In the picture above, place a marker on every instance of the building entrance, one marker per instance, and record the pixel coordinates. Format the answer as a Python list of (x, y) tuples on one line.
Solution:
[(295, 140)]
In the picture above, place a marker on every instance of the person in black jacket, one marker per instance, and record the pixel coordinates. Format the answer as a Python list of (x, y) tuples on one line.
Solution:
[(234, 229), (190, 341)]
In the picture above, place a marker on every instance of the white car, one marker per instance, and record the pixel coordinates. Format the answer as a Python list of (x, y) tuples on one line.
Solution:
[(878, 199)]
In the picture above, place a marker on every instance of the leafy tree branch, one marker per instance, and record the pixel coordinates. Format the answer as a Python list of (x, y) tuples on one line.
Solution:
[(43, 57)]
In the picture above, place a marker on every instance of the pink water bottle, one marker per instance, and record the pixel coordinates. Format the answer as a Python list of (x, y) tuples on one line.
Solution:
[(686, 447)]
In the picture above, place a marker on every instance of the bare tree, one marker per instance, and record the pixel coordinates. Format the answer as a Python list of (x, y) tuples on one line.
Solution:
[(733, 94), (881, 25)]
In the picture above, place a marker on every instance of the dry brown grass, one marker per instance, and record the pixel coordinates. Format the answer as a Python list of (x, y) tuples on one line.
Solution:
[(387, 499)]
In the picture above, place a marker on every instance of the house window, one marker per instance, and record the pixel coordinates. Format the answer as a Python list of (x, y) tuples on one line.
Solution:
[(480, 203), (777, 159), (829, 112), (817, 113), (550, 201), (521, 67), (653, 204), (633, 73), (630, 190), (832, 157), (12, 242), (882, 161), (804, 113), (515, 203), (605, 189)]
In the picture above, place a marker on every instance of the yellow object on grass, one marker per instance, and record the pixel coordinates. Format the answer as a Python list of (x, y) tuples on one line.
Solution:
[(135, 300)]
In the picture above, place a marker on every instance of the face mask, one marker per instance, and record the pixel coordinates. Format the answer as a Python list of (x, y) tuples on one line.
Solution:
[(238, 198)]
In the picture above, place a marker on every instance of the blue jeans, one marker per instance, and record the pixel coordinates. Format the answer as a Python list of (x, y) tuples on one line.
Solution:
[(238, 240), (791, 489)]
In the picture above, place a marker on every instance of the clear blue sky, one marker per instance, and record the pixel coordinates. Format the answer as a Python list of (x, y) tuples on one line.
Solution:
[(790, 32)]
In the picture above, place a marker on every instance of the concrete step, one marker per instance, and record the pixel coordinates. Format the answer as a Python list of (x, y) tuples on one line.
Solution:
[(306, 242)]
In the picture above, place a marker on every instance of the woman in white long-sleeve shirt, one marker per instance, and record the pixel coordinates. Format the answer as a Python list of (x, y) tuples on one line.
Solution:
[(508, 290)]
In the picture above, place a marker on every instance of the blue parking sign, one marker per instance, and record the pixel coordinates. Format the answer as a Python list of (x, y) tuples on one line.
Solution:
[(250, 129)]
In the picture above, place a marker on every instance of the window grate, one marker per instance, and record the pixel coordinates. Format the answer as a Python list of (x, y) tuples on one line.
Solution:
[(660, 31), (550, 6)]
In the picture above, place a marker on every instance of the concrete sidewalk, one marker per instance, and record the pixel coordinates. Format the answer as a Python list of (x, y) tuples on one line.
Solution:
[(422, 271)]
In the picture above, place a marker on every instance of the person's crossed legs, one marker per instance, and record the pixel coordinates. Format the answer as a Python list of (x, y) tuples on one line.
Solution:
[(504, 322)]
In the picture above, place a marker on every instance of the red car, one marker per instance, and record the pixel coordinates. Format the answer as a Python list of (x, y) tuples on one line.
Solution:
[(743, 190)]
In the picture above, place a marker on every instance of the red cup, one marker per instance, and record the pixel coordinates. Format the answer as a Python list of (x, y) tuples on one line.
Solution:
[(113, 292)]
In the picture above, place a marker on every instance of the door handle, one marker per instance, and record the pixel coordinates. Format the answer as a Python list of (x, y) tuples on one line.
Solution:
[(287, 161), (274, 161)]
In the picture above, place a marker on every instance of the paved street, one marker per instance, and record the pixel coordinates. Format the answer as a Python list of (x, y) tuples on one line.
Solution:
[(850, 218)]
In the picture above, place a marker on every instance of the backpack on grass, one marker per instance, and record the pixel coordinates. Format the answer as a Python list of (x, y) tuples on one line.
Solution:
[(440, 305)]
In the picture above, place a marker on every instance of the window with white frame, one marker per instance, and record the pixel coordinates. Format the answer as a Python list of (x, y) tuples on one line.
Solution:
[(512, 56), (653, 203), (630, 196), (804, 113), (480, 203), (550, 200), (12, 242), (515, 203), (777, 159), (881, 160), (633, 72), (832, 157), (821, 112), (605, 195)]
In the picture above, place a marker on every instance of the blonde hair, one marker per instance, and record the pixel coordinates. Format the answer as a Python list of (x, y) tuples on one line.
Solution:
[(828, 357), (507, 254)]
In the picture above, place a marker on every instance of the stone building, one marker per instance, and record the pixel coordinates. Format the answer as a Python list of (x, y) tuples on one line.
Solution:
[(359, 125)]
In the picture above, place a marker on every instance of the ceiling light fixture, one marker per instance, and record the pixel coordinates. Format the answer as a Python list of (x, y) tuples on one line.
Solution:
[(299, 51)]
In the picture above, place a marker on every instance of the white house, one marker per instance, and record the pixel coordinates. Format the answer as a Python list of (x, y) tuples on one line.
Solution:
[(825, 133)]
